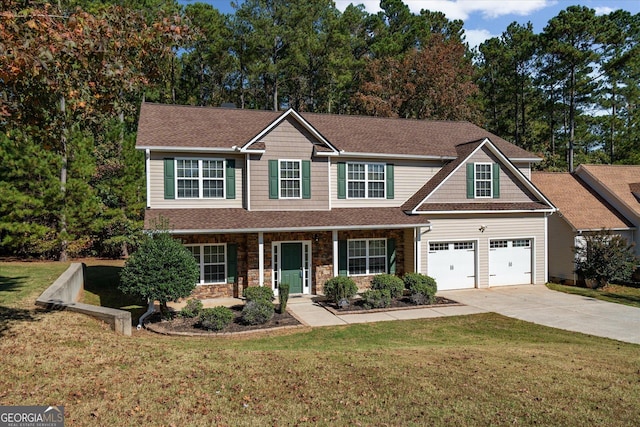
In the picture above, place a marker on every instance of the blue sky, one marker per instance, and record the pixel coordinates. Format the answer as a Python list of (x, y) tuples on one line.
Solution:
[(483, 19)]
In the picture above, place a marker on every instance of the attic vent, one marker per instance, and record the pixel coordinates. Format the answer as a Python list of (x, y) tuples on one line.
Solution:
[(228, 105)]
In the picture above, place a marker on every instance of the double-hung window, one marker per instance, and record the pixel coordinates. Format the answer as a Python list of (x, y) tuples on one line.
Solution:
[(483, 180), (199, 178), (367, 256), (366, 180), (290, 179), (212, 262)]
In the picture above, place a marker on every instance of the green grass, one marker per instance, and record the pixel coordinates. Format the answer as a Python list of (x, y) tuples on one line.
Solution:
[(24, 281), (611, 293), (470, 370)]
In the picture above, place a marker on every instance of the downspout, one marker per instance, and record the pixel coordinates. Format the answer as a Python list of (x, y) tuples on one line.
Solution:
[(149, 312)]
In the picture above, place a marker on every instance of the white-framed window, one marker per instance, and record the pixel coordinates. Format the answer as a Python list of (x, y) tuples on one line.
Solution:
[(482, 180), (367, 256), (366, 180), (200, 178), (290, 179), (212, 261)]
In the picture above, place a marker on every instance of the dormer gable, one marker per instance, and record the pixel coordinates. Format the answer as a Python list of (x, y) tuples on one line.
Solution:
[(481, 178), (321, 145)]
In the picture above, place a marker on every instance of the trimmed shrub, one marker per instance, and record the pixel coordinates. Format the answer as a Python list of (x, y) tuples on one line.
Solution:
[(283, 296), (376, 298), (257, 312), (340, 287), (192, 309), (216, 318), (162, 269), (423, 288), (255, 293), (389, 282)]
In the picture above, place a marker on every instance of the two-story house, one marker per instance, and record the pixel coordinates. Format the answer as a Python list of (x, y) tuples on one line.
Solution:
[(262, 197)]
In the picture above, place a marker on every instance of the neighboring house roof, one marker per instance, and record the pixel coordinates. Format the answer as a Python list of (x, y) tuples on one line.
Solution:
[(419, 202), (620, 180), (578, 204), (240, 220), (163, 126)]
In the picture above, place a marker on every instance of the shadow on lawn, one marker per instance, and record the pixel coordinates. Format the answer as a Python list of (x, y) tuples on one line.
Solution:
[(101, 288), (10, 284), (11, 315)]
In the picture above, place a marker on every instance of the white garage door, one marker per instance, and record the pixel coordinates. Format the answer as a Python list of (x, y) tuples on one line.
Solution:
[(452, 264), (509, 262)]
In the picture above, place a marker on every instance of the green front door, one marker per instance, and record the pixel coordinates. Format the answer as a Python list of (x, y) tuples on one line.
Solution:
[(291, 267)]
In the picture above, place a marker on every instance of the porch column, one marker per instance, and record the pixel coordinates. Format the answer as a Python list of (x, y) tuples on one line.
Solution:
[(417, 234), (261, 257), (334, 236)]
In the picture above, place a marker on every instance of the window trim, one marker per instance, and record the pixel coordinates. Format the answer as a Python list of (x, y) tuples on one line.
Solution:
[(280, 179), (476, 180), (366, 180), (201, 179), (201, 264), (367, 257)]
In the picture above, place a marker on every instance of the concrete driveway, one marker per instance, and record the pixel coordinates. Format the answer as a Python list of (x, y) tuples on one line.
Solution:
[(538, 304)]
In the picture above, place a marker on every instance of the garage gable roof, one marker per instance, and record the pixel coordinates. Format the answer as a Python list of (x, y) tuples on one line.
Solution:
[(419, 202), (578, 204)]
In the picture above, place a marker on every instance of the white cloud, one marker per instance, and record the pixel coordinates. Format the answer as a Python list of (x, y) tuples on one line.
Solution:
[(476, 37), (461, 9), (604, 10)]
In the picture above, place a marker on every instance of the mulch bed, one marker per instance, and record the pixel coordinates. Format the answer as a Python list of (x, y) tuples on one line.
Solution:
[(357, 305), (185, 326)]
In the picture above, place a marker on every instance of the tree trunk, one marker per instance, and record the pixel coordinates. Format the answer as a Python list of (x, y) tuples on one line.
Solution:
[(62, 225)]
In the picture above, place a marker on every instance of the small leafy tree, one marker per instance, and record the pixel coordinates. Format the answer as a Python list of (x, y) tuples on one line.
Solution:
[(604, 257), (160, 270)]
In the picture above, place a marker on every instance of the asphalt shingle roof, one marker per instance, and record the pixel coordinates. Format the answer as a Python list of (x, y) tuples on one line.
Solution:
[(238, 219), (163, 125), (619, 179), (580, 205)]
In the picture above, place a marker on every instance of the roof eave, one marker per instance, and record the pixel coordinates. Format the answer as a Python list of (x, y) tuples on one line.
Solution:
[(292, 229), (415, 212), (395, 156)]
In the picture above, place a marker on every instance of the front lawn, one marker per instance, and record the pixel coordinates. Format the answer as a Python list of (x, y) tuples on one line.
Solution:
[(611, 293), (469, 370)]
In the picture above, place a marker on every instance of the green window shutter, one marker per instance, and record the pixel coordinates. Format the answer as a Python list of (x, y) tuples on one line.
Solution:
[(342, 180), (471, 191), (389, 171), (391, 255), (306, 179), (495, 185), (273, 179), (169, 179), (231, 178), (342, 258), (232, 262)]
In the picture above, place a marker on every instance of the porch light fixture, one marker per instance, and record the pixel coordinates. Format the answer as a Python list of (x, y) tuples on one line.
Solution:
[(316, 238)]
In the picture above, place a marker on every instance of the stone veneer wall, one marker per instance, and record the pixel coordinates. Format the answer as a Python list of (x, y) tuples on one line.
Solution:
[(321, 262)]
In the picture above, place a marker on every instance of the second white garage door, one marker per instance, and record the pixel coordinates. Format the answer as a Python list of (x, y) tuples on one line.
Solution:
[(509, 262), (452, 264)]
